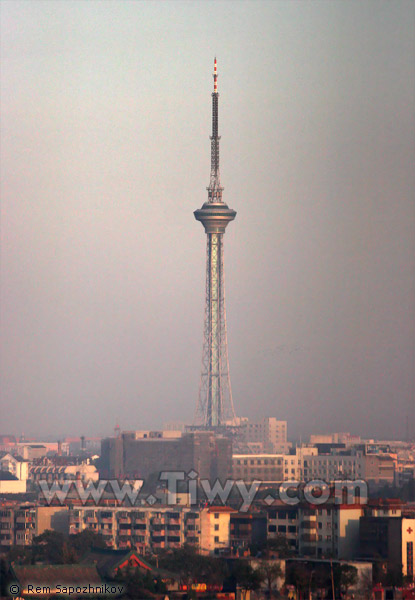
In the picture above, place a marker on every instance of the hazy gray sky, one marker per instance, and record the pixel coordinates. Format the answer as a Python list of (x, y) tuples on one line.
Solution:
[(104, 156)]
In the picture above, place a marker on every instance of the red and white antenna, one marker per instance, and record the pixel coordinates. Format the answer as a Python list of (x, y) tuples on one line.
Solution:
[(215, 77)]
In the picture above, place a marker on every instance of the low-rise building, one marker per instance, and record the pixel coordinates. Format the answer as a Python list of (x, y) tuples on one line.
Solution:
[(51, 473), (9, 484)]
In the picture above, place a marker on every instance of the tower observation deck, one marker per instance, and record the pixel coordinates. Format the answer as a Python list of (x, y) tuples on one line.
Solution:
[(215, 405)]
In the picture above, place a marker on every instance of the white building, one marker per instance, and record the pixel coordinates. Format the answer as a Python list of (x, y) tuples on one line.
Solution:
[(16, 465), (14, 473), (50, 473)]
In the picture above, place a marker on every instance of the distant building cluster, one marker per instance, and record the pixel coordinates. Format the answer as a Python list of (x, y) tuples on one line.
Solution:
[(371, 529)]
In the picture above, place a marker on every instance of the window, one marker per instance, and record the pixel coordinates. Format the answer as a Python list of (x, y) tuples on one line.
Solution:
[(216, 527), (216, 515), (216, 539)]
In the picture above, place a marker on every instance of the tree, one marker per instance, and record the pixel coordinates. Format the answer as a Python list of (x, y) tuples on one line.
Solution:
[(366, 585), (48, 547), (345, 576), (299, 576), (82, 542), (21, 554), (185, 561), (247, 578), (139, 584), (56, 548), (270, 572)]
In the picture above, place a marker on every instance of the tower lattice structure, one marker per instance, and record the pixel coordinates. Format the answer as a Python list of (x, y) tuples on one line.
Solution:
[(215, 405)]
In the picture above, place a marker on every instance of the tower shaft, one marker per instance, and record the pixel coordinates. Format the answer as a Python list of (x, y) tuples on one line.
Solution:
[(215, 405)]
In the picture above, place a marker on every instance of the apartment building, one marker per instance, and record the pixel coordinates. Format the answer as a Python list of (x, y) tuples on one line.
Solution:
[(294, 462), (271, 467), (259, 467), (375, 469), (247, 528), (20, 523), (317, 531), (270, 434), (157, 528), (391, 539)]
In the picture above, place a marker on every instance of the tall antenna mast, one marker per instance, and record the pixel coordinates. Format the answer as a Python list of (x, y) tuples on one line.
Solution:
[(215, 189)]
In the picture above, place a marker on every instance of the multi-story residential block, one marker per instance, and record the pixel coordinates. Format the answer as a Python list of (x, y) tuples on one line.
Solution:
[(294, 462), (246, 529), (329, 467), (272, 467), (283, 520), (317, 531), (391, 539), (156, 528), (215, 529), (6, 525), (20, 523), (260, 467), (375, 469), (270, 434)]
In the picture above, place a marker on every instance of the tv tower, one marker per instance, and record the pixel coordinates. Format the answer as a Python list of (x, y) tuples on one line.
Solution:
[(215, 406)]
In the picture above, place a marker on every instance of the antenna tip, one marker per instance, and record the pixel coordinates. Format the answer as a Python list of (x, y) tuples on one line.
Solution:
[(215, 77)]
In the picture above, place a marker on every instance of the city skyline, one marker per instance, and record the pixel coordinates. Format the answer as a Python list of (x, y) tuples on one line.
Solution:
[(103, 155)]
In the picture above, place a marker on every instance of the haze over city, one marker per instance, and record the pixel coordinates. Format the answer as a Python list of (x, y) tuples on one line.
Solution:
[(105, 155)]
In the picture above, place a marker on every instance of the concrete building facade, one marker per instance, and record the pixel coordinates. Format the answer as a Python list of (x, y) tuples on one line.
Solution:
[(157, 528), (140, 455)]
